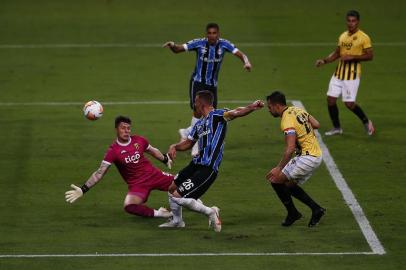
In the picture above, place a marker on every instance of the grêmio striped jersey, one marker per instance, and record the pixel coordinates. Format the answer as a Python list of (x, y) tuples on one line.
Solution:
[(208, 58), (353, 44), (210, 132)]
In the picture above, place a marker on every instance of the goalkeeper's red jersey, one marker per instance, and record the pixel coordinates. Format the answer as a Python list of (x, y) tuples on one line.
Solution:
[(130, 161)]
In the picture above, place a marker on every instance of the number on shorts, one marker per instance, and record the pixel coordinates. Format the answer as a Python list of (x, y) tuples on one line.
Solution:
[(188, 184)]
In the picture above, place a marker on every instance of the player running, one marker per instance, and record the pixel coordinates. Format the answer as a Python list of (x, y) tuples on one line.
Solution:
[(291, 172), (196, 178), (127, 153), (210, 53), (354, 47)]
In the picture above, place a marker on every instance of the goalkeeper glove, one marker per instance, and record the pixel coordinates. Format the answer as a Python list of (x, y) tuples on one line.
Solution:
[(72, 195), (167, 161)]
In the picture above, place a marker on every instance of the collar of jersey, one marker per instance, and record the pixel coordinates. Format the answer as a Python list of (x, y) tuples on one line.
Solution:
[(207, 40), (287, 107), (124, 144), (350, 35)]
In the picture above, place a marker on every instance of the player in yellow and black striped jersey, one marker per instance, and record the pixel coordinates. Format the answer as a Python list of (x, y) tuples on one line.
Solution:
[(354, 46), (285, 178)]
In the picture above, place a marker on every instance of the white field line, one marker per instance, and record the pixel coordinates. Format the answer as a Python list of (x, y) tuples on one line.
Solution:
[(185, 254), (348, 196), (351, 201), (159, 45), (146, 102)]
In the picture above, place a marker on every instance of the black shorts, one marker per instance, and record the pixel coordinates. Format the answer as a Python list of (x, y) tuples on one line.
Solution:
[(195, 87), (194, 180)]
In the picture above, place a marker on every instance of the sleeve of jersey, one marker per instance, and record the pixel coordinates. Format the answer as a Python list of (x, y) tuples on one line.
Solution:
[(227, 116), (288, 127), (191, 45), (193, 134), (367, 43), (109, 157), (229, 46), (145, 143)]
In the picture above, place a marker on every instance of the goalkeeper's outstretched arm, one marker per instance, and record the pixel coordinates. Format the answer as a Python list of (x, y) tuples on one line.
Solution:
[(164, 158), (76, 192)]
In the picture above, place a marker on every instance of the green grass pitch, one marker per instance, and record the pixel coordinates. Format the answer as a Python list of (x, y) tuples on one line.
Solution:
[(46, 148)]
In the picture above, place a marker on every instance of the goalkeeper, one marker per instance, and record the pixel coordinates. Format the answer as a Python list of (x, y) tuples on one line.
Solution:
[(127, 153)]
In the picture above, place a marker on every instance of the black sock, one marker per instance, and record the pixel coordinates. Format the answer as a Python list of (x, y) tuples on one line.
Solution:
[(302, 196), (360, 113), (333, 111), (284, 195)]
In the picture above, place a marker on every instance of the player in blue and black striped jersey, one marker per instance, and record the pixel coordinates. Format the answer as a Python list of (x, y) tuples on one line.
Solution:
[(210, 52), (196, 178)]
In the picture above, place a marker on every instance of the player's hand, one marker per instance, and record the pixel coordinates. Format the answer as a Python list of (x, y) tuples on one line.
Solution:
[(248, 66), (320, 62), (258, 104), (168, 44), (271, 176), (347, 58), (172, 152), (72, 195)]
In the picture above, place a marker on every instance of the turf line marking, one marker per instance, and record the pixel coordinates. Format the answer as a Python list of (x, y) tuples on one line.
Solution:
[(185, 254), (146, 102), (159, 45), (348, 195)]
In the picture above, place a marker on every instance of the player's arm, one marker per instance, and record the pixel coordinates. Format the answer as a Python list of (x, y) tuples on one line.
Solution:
[(330, 58), (72, 195), (183, 145), (164, 158), (313, 121), (243, 111), (175, 48), (244, 58), (367, 55), (290, 142)]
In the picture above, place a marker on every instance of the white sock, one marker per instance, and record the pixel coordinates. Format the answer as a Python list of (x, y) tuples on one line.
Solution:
[(175, 208), (194, 205)]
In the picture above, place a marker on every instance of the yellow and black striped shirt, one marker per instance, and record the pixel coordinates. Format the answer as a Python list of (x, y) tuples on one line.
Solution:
[(354, 44)]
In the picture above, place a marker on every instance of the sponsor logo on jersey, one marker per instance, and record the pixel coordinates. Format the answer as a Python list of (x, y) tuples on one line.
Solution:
[(346, 45), (133, 158)]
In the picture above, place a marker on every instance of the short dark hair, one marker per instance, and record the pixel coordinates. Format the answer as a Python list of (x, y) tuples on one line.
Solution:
[(353, 13), (212, 25), (206, 96), (276, 97), (121, 119)]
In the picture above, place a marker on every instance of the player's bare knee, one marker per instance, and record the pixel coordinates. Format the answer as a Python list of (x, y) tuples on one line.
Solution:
[(331, 101), (132, 199), (350, 105), (172, 188)]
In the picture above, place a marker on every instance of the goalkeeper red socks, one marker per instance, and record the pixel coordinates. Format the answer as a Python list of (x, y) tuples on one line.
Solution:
[(139, 210)]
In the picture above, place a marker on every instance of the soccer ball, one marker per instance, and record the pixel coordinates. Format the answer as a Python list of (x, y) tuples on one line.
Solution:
[(93, 110)]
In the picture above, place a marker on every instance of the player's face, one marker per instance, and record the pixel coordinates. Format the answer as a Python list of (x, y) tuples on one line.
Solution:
[(273, 109), (212, 35), (123, 132), (198, 106), (352, 23)]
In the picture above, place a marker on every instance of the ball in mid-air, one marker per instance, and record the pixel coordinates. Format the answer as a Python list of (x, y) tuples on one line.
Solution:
[(93, 110)]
